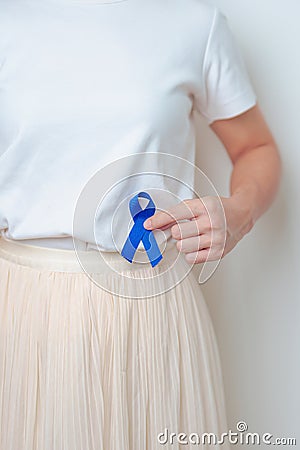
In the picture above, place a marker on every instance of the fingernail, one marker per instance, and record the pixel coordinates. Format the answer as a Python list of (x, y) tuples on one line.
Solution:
[(147, 223)]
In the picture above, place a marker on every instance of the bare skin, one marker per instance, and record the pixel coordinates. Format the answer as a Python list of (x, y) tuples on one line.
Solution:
[(254, 182)]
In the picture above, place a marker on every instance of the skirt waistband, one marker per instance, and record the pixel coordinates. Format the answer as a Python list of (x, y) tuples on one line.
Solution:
[(92, 261)]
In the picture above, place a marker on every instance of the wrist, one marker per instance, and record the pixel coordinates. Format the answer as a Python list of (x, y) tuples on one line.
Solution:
[(246, 200), (240, 211)]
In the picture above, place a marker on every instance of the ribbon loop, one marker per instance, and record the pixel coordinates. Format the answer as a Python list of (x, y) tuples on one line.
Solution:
[(138, 233)]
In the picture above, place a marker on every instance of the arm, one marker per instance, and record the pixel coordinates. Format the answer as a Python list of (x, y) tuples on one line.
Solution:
[(256, 162), (253, 184)]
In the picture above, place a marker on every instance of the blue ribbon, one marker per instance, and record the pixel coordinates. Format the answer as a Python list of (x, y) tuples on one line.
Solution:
[(138, 233)]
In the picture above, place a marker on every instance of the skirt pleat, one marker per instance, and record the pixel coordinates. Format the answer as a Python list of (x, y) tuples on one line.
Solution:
[(84, 369)]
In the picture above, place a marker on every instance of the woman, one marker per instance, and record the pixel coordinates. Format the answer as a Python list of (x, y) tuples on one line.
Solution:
[(84, 83)]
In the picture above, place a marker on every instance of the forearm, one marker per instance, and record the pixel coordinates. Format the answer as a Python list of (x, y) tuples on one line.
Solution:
[(254, 182)]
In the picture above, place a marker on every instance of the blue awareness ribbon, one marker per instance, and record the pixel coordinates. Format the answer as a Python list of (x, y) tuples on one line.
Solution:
[(138, 233)]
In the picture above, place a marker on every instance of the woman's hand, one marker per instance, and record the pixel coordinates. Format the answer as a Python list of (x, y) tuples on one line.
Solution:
[(212, 228), (214, 225)]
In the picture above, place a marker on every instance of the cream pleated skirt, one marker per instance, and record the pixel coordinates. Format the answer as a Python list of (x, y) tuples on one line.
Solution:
[(84, 368)]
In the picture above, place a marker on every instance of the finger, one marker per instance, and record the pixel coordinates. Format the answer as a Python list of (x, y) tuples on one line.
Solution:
[(191, 228), (163, 218), (193, 244), (206, 254)]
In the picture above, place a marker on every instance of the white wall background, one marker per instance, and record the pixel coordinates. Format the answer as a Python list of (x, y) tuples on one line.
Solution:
[(254, 295)]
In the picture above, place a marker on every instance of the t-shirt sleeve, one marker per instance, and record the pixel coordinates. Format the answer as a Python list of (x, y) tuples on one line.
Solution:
[(226, 87)]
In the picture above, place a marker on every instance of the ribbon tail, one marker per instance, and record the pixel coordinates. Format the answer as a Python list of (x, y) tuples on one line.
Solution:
[(152, 248), (132, 242), (128, 250)]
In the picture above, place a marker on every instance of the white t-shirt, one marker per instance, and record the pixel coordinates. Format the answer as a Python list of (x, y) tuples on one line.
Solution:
[(87, 82)]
